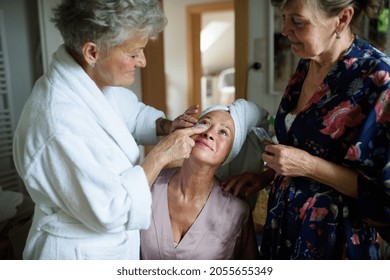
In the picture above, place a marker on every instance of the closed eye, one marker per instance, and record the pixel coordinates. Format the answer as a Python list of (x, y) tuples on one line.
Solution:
[(298, 22)]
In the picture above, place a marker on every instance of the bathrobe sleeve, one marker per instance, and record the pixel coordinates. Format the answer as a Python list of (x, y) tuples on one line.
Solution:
[(79, 175), (140, 119), (71, 162)]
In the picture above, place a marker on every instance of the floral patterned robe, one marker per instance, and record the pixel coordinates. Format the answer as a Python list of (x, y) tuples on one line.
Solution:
[(346, 122)]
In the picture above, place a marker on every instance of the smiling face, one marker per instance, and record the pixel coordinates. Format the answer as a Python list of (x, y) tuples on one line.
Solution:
[(214, 145), (310, 34), (117, 68)]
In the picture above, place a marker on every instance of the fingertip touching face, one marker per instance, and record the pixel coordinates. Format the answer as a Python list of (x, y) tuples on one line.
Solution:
[(310, 35), (117, 68), (215, 144)]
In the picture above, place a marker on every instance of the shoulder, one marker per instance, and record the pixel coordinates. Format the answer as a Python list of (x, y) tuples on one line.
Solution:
[(229, 205), (120, 93), (163, 179), (369, 56)]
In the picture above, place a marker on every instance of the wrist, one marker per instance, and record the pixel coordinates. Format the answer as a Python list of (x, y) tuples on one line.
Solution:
[(163, 126), (310, 166)]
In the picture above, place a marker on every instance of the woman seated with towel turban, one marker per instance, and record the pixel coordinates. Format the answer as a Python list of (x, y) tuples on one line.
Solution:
[(192, 217)]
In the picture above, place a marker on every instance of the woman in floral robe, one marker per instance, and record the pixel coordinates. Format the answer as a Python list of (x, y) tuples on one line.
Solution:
[(345, 122), (330, 169)]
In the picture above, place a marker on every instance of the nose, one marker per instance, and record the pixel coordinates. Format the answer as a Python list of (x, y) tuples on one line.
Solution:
[(141, 60), (208, 135), (286, 27)]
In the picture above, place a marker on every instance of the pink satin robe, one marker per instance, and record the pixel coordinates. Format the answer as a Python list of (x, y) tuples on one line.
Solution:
[(223, 229)]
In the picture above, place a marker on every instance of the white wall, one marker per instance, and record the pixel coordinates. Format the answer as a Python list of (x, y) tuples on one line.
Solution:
[(50, 36), (258, 89)]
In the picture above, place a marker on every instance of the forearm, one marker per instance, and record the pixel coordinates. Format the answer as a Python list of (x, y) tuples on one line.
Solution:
[(152, 164), (340, 178), (175, 146)]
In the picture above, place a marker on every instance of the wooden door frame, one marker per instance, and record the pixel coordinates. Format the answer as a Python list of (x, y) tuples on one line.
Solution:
[(194, 25), (241, 47), (153, 78)]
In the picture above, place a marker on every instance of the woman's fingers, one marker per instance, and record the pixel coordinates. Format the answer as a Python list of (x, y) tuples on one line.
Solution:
[(192, 110), (250, 181), (185, 120), (179, 144)]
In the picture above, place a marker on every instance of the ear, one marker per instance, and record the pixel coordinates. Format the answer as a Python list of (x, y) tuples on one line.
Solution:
[(90, 53), (344, 18)]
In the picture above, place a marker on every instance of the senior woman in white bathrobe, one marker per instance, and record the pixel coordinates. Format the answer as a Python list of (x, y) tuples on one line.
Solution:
[(76, 144)]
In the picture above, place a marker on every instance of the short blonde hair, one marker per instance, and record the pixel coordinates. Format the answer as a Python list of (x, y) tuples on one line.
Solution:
[(370, 8)]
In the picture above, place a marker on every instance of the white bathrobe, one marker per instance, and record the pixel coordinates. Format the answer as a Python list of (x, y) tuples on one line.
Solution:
[(76, 149)]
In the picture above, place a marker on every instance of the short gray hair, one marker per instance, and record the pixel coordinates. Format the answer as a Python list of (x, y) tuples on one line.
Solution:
[(370, 8), (107, 23)]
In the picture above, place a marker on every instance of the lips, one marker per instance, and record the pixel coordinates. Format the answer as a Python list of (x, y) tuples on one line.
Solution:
[(203, 143), (293, 42)]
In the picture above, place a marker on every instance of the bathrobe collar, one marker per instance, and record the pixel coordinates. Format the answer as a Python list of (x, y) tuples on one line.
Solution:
[(84, 90)]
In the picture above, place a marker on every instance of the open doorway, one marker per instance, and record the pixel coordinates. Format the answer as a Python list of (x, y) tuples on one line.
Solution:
[(210, 50)]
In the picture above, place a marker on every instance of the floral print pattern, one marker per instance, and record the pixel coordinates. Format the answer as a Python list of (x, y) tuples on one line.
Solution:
[(349, 118), (344, 115)]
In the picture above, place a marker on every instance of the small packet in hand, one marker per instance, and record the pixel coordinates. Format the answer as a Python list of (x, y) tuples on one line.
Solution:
[(263, 136), (200, 125)]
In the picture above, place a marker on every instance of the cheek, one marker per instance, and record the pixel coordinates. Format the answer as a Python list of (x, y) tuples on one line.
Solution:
[(307, 48), (124, 64), (226, 146), (130, 63)]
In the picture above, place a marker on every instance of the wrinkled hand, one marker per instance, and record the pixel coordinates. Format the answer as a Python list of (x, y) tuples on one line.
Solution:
[(287, 160), (186, 119), (178, 144), (251, 182)]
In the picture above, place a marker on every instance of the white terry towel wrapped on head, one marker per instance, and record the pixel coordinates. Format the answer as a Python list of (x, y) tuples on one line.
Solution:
[(245, 115)]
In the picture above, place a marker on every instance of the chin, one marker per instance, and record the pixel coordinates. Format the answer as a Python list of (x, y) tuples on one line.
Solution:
[(127, 83), (296, 51)]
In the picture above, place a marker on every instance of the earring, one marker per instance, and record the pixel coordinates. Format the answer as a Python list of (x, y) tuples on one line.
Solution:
[(338, 36), (93, 64)]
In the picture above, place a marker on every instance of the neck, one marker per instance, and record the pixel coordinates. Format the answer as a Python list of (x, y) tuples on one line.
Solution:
[(193, 180), (327, 59)]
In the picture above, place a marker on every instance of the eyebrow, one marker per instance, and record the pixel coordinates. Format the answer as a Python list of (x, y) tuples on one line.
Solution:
[(222, 124), (294, 15)]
